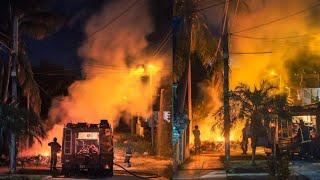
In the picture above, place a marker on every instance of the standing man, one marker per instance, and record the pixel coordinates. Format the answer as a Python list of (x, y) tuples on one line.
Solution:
[(304, 139), (197, 142), (55, 148), (245, 137), (128, 153)]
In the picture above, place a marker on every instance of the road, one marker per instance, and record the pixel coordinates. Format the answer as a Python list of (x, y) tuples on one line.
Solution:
[(43, 173)]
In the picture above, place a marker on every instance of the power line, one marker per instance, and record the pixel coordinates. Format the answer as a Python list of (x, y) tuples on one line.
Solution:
[(163, 42), (212, 5), (240, 53), (278, 19), (114, 19), (273, 38), (224, 26)]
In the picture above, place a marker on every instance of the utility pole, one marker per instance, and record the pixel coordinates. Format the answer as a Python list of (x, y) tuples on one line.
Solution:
[(160, 124), (225, 47), (151, 109), (14, 93), (188, 15), (190, 98)]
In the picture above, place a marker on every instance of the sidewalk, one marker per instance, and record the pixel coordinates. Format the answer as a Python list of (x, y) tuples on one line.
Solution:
[(310, 170), (203, 166)]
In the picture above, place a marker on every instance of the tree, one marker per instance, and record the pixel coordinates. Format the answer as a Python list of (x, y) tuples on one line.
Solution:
[(21, 121), (28, 19), (255, 106), (196, 38), (191, 36)]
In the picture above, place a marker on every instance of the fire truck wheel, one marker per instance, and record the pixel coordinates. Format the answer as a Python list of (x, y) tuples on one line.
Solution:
[(67, 172), (108, 172), (93, 172)]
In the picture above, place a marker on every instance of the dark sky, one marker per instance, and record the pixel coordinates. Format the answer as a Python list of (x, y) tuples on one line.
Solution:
[(61, 48)]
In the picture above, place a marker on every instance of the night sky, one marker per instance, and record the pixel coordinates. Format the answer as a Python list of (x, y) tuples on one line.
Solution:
[(55, 60), (61, 48)]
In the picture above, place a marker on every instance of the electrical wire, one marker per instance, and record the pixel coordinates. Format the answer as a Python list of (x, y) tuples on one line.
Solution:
[(226, 9), (235, 13), (163, 43), (278, 19), (274, 38), (114, 19), (212, 5), (240, 53)]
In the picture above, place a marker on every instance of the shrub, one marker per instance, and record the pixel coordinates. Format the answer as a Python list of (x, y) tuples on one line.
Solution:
[(278, 166)]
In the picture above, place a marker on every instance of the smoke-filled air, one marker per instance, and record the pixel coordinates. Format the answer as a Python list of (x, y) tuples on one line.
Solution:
[(273, 52), (120, 75)]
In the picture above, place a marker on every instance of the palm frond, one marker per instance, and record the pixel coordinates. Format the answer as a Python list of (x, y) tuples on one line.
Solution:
[(21, 121), (40, 24), (28, 83)]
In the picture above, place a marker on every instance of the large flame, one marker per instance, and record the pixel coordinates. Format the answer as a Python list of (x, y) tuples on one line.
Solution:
[(120, 75), (301, 30)]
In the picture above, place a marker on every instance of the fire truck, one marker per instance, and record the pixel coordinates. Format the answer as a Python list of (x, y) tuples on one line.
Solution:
[(87, 147)]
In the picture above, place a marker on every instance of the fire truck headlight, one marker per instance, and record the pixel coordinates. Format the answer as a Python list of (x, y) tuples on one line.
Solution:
[(106, 166)]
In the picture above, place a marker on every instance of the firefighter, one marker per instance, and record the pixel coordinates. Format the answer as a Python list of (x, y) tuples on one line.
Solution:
[(55, 148), (128, 153), (245, 137), (314, 143), (304, 139), (197, 142)]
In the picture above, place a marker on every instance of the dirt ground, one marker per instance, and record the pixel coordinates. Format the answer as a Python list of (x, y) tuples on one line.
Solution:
[(160, 166)]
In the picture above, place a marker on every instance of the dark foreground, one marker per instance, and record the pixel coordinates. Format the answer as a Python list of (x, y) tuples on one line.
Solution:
[(38, 173)]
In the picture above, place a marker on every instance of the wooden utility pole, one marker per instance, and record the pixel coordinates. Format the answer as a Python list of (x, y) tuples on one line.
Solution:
[(14, 93), (190, 98), (160, 129), (225, 47)]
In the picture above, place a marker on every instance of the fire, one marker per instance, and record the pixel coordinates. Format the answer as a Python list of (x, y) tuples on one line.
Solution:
[(215, 134), (119, 74), (252, 68), (42, 148)]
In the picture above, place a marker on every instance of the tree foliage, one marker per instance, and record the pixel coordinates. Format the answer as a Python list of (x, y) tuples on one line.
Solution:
[(21, 121), (255, 104), (194, 37)]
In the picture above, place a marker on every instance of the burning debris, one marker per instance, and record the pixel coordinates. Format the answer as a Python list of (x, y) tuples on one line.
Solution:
[(35, 160)]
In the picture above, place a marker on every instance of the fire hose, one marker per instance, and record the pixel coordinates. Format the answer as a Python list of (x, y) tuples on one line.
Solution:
[(135, 175)]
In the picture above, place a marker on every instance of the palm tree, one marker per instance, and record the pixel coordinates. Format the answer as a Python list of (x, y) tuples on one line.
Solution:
[(194, 37), (22, 121), (26, 20), (254, 105)]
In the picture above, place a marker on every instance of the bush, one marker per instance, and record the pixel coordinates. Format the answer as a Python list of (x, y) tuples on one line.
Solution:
[(278, 166)]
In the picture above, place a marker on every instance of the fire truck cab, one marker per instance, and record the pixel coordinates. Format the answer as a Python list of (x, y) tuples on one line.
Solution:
[(87, 147)]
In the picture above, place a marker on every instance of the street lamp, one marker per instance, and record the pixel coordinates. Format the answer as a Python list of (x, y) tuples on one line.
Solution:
[(148, 70), (274, 74)]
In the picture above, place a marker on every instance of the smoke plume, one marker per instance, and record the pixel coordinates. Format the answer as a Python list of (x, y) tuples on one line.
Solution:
[(286, 42), (120, 75)]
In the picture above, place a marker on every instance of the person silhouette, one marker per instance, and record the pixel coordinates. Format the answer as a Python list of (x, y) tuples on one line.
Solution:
[(197, 141), (55, 148)]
